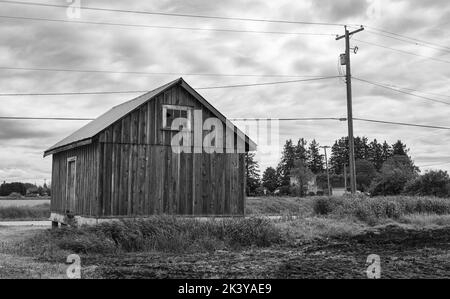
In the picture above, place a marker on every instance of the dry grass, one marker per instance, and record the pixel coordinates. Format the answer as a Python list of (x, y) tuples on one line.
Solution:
[(39, 212), (158, 234), (307, 229), (377, 209), (270, 206), (425, 220)]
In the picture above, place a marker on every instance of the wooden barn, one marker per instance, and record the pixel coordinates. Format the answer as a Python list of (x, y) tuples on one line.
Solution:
[(126, 164)]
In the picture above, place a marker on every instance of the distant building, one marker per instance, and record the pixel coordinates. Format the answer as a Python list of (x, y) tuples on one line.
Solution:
[(312, 186)]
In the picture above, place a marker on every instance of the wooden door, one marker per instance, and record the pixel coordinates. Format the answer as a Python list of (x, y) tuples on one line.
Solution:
[(71, 184)]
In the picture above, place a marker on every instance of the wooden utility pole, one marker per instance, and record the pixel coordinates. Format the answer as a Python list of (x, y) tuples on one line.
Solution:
[(328, 172), (345, 177), (348, 80)]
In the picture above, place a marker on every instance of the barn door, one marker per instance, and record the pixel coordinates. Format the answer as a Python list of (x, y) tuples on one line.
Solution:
[(71, 184)]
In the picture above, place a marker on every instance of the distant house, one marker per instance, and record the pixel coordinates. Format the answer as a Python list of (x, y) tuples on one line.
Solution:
[(312, 186), (125, 164)]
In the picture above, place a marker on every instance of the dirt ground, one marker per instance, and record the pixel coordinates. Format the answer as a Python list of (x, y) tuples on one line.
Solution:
[(404, 253)]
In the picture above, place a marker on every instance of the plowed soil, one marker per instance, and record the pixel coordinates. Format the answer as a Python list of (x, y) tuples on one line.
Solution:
[(404, 253)]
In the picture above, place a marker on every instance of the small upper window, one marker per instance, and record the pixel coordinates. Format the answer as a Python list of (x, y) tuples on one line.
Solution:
[(171, 112)]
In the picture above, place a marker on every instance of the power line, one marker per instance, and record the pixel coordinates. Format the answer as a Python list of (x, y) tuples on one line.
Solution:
[(289, 119), (402, 124), (43, 118), (401, 51), (268, 83), (151, 73), (401, 91), (414, 90), (340, 119), (164, 27), (407, 40), (144, 91), (175, 14), (408, 37)]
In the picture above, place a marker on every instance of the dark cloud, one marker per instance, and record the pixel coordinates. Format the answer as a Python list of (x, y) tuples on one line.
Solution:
[(11, 130), (334, 11)]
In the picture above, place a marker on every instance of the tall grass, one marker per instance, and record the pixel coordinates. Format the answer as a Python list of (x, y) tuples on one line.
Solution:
[(371, 210), (271, 205), (166, 234), (38, 212)]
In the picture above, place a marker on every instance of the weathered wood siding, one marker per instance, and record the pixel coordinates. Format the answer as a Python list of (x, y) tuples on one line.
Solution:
[(141, 175), (131, 170), (86, 191)]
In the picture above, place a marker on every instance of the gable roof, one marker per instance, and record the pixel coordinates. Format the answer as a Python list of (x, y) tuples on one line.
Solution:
[(85, 134)]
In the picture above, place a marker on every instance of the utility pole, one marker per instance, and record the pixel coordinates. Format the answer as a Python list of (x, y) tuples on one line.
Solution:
[(328, 172), (345, 177), (349, 104)]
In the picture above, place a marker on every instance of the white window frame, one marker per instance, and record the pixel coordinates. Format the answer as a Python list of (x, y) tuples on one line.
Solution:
[(176, 107)]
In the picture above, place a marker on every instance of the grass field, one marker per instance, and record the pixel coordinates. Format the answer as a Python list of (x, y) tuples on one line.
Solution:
[(328, 238), (25, 212)]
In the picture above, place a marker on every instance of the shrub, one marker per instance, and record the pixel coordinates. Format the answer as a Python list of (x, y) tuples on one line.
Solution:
[(326, 205), (394, 175), (372, 209), (284, 190), (432, 183)]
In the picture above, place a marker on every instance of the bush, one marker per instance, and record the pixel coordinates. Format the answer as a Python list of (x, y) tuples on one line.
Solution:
[(284, 190), (394, 175), (432, 183), (371, 210), (326, 205)]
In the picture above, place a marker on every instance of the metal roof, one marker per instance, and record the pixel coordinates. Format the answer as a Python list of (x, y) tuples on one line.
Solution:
[(117, 112)]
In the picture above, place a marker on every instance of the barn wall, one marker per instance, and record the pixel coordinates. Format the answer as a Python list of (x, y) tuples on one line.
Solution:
[(153, 180), (86, 188), (140, 175)]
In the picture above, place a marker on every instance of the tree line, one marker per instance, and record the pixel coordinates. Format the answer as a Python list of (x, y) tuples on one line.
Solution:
[(381, 168), (24, 189)]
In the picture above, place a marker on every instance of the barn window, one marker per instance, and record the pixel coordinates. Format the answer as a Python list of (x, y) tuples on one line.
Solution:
[(171, 112)]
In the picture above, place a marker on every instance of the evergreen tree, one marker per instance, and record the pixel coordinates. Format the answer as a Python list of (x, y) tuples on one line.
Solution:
[(339, 155), (286, 163), (302, 175), (399, 149), (270, 179), (315, 159), (301, 153), (252, 173), (376, 154), (386, 151)]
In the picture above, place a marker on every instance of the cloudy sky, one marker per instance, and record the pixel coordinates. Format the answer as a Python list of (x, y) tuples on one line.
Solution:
[(59, 45)]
